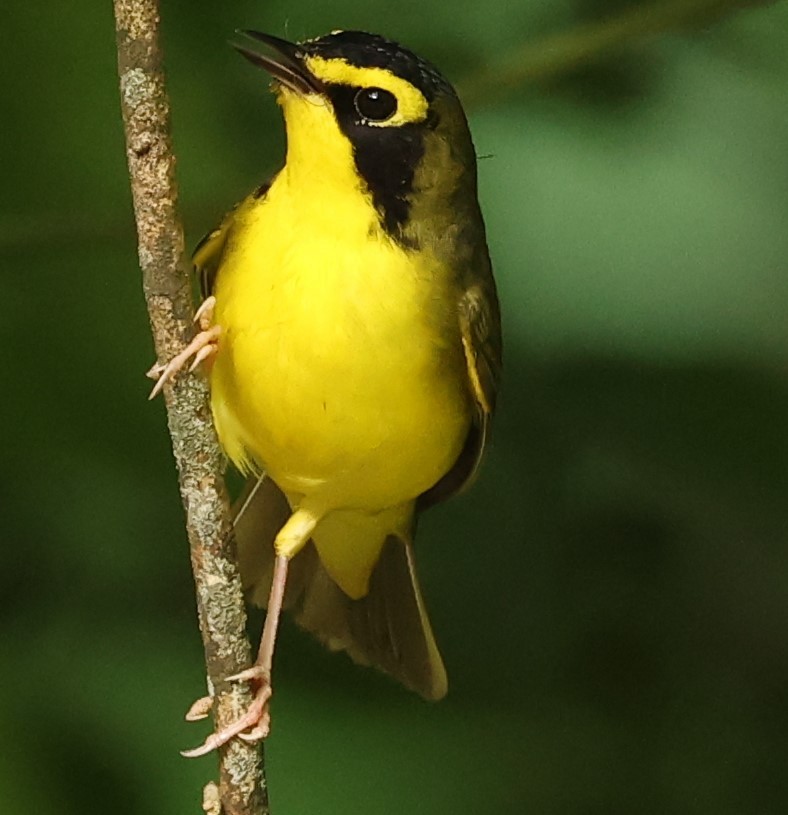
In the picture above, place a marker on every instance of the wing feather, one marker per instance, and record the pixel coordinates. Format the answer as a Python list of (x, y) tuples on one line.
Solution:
[(480, 333)]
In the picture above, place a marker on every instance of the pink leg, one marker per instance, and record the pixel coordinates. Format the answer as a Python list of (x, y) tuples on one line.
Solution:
[(256, 719), (254, 724)]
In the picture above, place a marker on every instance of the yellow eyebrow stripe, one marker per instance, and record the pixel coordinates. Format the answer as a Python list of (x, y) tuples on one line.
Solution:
[(412, 105)]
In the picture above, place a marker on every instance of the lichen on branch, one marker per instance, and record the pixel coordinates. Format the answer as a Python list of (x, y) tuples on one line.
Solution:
[(199, 459)]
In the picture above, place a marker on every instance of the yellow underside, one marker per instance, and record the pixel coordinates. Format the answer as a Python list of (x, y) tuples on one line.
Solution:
[(340, 371)]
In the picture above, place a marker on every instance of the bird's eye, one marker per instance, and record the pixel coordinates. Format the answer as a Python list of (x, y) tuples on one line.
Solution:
[(375, 104)]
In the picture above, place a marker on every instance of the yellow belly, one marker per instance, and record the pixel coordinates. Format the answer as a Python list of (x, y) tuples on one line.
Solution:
[(340, 371)]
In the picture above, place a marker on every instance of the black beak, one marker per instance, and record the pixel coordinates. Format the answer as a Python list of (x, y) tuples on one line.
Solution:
[(286, 66)]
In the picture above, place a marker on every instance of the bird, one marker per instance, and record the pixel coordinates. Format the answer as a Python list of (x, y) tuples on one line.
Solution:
[(351, 333)]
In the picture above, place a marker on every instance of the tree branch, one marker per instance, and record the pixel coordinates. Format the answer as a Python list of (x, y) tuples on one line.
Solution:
[(200, 462)]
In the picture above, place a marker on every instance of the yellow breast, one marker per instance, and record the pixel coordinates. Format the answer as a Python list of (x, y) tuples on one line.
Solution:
[(340, 369)]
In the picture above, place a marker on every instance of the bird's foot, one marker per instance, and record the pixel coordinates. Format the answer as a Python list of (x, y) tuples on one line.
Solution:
[(200, 709), (252, 726), (202, 348)]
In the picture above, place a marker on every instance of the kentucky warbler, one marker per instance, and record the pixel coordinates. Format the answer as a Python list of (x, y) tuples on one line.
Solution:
[(353, 330)]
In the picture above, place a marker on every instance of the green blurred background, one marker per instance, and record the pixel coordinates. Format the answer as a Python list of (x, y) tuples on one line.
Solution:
[(610, 599)]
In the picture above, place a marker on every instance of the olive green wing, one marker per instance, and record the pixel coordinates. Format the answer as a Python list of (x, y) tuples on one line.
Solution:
[(479, 320), (480, 329)]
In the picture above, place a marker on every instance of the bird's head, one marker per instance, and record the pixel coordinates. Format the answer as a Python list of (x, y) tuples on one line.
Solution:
[(356, 103)]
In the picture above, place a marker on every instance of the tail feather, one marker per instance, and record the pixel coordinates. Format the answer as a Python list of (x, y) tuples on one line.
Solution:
[(388, 628)]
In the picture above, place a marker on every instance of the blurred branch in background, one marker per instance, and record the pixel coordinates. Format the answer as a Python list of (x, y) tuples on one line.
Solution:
[(549, 58), (533, 63), (222, 616)]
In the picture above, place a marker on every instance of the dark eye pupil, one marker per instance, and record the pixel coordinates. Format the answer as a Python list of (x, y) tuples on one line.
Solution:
[(375, 104)]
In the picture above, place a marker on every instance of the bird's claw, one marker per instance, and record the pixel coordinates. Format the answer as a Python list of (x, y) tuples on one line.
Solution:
[(254, 674), (201, 348), (200, 709), (253, 726)]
